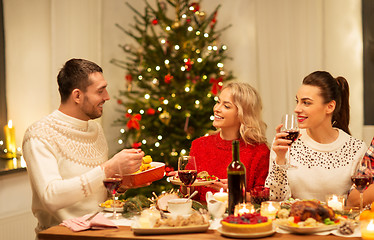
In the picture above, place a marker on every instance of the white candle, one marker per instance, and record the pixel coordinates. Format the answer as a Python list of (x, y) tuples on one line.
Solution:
[(10, 139), (243, 208), (269, 209), (336, 202), (221, 196), (367, 230)]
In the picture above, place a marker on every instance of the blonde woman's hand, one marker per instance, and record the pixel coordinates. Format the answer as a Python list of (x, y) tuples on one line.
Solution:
[(220, 183)]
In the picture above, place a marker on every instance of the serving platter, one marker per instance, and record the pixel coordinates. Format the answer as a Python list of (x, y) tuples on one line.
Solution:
[(170, 230), (245, 235), (197, 183), (307, 230)]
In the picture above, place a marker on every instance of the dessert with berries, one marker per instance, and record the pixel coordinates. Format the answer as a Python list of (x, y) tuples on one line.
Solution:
[(247, 223)]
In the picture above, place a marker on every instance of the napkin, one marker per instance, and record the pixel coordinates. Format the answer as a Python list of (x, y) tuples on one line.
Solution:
[(80, 223)]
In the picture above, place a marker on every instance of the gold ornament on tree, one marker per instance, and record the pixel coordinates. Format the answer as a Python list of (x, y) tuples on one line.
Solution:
[(165, 117)]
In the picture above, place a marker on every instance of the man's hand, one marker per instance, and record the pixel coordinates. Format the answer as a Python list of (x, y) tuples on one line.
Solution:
[(126, 161)]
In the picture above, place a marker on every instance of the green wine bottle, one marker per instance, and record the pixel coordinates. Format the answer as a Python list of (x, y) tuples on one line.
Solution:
[(236, 179)]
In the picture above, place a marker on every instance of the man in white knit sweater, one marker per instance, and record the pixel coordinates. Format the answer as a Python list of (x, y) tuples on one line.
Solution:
[(66, 152)]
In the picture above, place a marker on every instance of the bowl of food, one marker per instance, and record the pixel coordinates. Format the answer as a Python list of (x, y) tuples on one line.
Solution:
[(156, 171)]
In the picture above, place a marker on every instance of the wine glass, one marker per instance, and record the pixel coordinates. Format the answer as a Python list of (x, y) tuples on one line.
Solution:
[(187, 171), (362, 177), (290, 126), (112, 184)]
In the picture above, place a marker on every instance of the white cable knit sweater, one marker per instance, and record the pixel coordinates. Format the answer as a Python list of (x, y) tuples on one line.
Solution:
[(322, 169), (63, 155)]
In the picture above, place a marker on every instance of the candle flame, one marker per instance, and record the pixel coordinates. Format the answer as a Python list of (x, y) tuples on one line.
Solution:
[(10, 124), (271, 208), (334, 198), (370, 226), (221, 191)]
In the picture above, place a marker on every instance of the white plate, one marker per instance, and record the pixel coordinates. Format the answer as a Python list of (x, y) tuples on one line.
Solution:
[(119, 210), (170, 230), (197, 183), (245, 235), (308, 230)]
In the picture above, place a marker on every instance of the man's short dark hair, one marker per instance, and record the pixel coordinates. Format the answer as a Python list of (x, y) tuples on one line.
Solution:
[(74, 75)]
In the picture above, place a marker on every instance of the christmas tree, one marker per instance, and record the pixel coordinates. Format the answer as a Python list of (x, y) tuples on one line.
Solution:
[(173, 76)]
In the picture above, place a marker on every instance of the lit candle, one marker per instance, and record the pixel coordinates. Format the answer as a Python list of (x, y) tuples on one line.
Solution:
[(243, 208), (221, 196), (367, 230), (336, 202), (269, 209), (10, 139)]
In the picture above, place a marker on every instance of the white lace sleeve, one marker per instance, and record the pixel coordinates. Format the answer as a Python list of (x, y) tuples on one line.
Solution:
[(277, 181)]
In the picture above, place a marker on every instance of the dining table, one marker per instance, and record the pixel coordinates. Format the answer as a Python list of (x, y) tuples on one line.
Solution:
[(124, 232)]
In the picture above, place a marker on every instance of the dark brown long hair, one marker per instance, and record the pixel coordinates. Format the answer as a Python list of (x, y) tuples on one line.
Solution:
[(336, 89)]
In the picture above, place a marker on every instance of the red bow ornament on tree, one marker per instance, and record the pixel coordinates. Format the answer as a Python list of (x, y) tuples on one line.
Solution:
[(133, 121), (216, 84)]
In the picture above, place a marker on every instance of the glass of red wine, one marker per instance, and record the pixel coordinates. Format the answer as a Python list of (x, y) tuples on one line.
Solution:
[(112, 184), (362, 177), (290, 126), (187, 171)]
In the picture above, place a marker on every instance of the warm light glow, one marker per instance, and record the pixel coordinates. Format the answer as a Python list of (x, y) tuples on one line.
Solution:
[(168, 28), (221, 196), (197, 33), (159, 137), (166, 101), (215, 48), (183, 151), (157, 144), (190, 29), (269, 209), (129, 110), (158, 68), (187, 89), (336, 202), (199, 60), (147, 96), (176, 47), (141, 111), (220, 65), (140, 77), (120, 141), (243, 208), (206, 35), (122, 130), (144, 141), (10, 124), (166, 61)]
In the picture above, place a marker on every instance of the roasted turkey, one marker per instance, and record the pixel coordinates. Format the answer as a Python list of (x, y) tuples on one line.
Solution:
[(311, 209)]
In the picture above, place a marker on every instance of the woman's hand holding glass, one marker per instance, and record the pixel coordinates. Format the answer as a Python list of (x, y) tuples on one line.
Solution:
[(287, 133)]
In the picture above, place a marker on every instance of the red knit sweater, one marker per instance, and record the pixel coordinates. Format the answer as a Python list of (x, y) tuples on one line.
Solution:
[(213, 154)]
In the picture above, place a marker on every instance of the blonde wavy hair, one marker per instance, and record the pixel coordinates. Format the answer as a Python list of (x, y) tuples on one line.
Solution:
[(249, 104)]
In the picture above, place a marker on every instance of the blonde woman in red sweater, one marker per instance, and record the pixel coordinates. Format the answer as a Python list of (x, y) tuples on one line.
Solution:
[(237, 116)]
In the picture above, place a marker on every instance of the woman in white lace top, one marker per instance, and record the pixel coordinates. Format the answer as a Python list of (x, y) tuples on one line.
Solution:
[(325, 154)]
